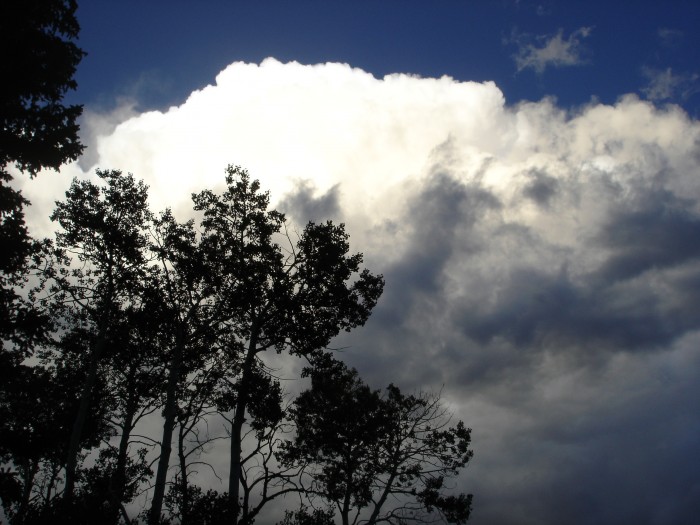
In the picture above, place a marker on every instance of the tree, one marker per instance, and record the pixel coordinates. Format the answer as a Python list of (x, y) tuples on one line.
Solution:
[(150, 313), (36, 130), (275, 294), (134, 372), (262, 479), (96, 493), (360, 447), (196, 408), (304, 517), (188, 315), (100, 266), (36, 414), (204, 508)]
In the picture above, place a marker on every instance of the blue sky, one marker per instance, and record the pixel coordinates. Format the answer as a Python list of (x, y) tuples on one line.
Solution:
[(536, 215), (164, 50)]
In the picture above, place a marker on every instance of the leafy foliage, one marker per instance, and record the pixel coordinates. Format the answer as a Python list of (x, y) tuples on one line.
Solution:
[(152, 316), (37, 130), (360, 446), (195, 506), (291, 297), (304, 517)]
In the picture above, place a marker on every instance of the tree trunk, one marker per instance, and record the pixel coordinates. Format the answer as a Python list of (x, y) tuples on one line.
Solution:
[(235, 471), (55, 470), (345, 511), (88, 387), (169, 413), (382, 500), (119, 479), (185, 503), (29, 471), (81, 416)]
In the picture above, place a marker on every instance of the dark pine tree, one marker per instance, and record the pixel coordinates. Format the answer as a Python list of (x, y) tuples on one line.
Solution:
[(36, 130)]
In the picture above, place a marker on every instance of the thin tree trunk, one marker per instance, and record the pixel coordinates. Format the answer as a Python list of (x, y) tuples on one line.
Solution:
[(345, 511), (235, 471), (30, 469), (185, 503), (88, 387), (81, 416), (55, 469), (119, 479), (169, 413), (382, 500)]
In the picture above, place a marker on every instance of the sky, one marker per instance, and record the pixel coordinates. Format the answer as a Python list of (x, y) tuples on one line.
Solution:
[(525, 176)]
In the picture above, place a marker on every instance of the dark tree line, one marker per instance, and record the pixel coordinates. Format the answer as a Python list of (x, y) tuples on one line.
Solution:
[(128, 317), (37, 131), (147, 316)]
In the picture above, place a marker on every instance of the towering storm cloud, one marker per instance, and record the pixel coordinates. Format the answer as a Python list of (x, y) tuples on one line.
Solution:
[(542, 264)]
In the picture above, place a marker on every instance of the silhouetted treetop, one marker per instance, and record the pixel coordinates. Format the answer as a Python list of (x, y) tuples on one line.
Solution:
[(377, 457), (39, 61)]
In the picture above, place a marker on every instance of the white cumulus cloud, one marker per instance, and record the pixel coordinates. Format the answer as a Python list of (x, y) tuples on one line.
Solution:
[(541, 264)]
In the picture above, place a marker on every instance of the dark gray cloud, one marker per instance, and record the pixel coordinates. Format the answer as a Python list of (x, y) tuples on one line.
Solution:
[(627, 456), (541, 188), (303, 206), (657, 230), (483, 302), (613, 307)]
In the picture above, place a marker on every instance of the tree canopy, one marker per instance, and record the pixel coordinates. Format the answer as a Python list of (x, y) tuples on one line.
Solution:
[(377, 457), (152, 316), (38, 131)]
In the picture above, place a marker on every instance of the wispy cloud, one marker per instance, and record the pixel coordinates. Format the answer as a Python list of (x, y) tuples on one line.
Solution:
[(664, 84), (670, 38), (540, 52)]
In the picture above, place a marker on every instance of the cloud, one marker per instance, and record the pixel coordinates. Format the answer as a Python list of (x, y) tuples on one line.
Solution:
[(664, 84), (670, 38), (95, 124), (302, 206), (550, 50), (541, 264)]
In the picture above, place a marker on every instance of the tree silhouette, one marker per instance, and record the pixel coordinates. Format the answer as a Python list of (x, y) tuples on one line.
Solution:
[(305, 517), (37, 417), (361, 447), (189, 318), (100, 265), (36, 131), (134, 372), (149, 315), (140, 314), (291, 298)]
